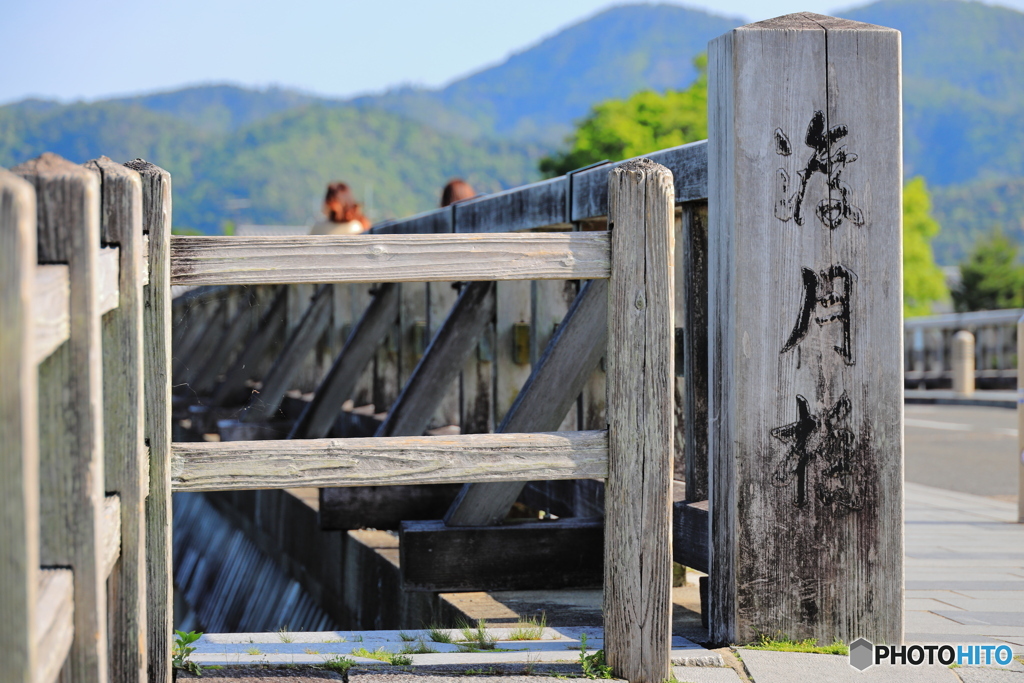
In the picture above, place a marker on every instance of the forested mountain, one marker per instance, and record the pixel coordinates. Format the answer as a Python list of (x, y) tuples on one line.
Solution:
[(276, 148)]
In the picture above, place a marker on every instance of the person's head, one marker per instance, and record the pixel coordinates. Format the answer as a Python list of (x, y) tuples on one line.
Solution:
[(341, 207), (456, 190)]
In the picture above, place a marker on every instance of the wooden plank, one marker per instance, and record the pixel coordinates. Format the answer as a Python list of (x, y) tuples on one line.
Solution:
[(693, 286), (126, 466), (50, 301), (412, 328), (690, 534), (427, 223), (383, 507), (247, 363), (476, 387), (520, 555), (339, 383), (70, 402), (156, 345), (387, 258), (441, 297), (278, 380), (550, 302), (550, 391), (19, 447), (447, 353), (54, 628), (688, 163), (361, 297), (387, 461), (385, 369), (638, 492), (540, 204), (804, 307), (511, 326), (238, 329), (112, 543)]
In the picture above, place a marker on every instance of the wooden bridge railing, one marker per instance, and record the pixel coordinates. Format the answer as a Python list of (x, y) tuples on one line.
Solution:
[(801, 495)]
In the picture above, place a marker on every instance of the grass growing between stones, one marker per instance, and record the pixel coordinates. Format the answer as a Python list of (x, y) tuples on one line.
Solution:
[(476, 638), (530, 628), (338, 663), (784, 644), (382, 655), (439, 635)]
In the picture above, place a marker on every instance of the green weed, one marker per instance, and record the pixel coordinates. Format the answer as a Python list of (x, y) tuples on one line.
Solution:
[(183, 650), (783, 644), (531, 628), (593, 665)]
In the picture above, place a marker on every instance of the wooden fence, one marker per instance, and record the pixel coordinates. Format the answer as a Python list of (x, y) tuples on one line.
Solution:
[(787, 276)]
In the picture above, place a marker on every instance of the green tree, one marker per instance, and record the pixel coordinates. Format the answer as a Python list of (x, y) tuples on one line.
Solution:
[(923, 281), (645, 122), (990, 277)]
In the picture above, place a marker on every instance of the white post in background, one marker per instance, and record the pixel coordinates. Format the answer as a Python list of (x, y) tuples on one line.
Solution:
[(805, 329), (963, 363)]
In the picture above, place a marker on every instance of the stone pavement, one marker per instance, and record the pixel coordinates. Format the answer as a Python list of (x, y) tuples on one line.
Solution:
[(964, 584)]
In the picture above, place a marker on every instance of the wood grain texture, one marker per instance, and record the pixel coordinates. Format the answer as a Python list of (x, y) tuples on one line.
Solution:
[(412, 328), (70, 405), (537, 205), (426, 223), (440, 365), (524, 555), (690, 538), (386, 258), (108, 267), (638, 492), (54, 628), (51, 298), (387, 461), (513, 302), (547, 396), (340, 382), (111, 538), (19, 447), (249, 360), (126, 466), (299, 345), (156, 344), (693, 289), (688, 163), (805, 304), (441, 297)]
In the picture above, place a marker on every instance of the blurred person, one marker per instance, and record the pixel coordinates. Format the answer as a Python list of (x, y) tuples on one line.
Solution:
[(457, 190), (344, 214)]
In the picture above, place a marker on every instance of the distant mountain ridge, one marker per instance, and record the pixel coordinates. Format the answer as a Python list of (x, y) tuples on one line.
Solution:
[(963, 114)]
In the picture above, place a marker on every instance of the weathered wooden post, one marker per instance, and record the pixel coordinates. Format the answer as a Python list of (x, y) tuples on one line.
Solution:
[(19, 449), (963, 363), (1020, 419), (806, 334), (156, 360), (638, 498), (126, 465), (71, 478)]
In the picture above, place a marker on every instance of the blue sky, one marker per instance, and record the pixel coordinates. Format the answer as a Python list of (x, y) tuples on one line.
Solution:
[(69, 49)]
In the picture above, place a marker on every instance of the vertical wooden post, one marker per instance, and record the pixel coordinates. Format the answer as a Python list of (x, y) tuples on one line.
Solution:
[(806, 331), (125, 462), (19, 448), (694, 293), (156, 346), (1020, 419), (70, 407), (638, 498)]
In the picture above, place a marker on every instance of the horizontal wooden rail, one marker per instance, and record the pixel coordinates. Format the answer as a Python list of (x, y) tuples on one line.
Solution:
[(55, 622), (579, 196), (385, 258), (51, 299), (387, 461)]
